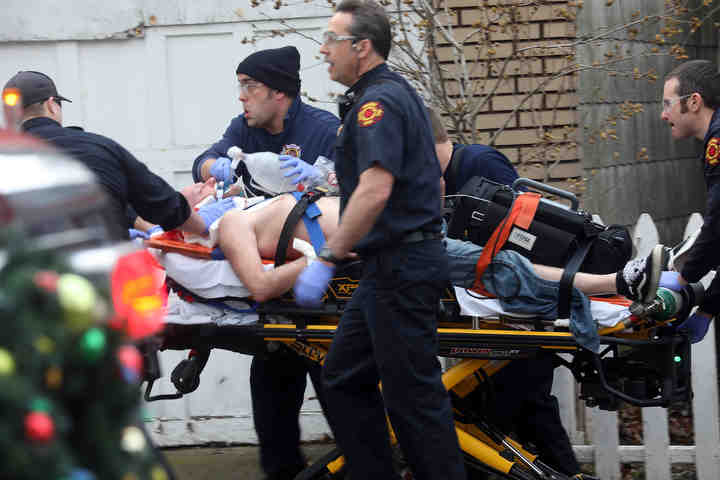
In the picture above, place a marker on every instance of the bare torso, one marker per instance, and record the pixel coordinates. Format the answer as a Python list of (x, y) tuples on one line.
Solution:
[(269, 221), (249, 236)]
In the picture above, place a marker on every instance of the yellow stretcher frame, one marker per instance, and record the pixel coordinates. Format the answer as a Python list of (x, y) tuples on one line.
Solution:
[(488, 345), (488, 349)]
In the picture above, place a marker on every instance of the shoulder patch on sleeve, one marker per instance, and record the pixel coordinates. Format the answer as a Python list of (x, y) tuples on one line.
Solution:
[(370, 113), (712, 152)]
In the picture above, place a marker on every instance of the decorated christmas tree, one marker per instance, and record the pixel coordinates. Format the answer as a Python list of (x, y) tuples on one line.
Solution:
[(70, 368)]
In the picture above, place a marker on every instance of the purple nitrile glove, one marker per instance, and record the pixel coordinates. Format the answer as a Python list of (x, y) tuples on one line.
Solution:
[(671, 281), (135, 233), (210, 213), (302, 169), (697, 326), (222, 170), (310, 286)]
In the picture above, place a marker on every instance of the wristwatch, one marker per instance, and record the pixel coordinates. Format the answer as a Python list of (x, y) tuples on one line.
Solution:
[(327, 255)]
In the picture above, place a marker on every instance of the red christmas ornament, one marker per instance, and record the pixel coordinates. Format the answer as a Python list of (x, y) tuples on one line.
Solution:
[(47, 280), (39, 427), (138, 294), (130, 358)]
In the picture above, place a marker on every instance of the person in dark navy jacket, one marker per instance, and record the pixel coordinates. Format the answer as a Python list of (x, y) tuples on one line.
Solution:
[(127, 181), (274, 119), (691, 107), (460, 162), (390, 214), (523, 402)]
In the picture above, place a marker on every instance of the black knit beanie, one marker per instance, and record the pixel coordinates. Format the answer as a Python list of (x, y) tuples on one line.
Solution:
[(278, 68)]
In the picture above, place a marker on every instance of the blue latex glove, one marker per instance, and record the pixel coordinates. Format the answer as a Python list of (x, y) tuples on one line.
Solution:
[(222, 170), (310, 286), (302, 169), (135, 233), (156, 230), (210, 213), (697, 326), (671, 280)]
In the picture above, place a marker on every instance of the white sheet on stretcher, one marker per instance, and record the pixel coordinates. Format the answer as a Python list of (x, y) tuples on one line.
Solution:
[(605, 314), (204, 278), (195, 313), (216, 279)]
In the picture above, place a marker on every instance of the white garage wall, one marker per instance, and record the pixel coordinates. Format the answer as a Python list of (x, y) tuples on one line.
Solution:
[(165, 96)]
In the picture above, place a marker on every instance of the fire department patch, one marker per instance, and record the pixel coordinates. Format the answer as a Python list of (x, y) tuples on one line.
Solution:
[(292, 150), (370, 113), (713, 151)]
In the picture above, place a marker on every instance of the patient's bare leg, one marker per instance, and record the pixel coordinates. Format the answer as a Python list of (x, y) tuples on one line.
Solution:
[(239, 242), (588, 283)]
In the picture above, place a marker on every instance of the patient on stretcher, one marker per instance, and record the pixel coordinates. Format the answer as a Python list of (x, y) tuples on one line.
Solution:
[(246, 237)]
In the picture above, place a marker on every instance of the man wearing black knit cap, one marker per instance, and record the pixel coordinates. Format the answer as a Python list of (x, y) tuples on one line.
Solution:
[(274, 120)]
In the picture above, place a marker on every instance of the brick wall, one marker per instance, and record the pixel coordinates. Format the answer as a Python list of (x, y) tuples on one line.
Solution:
[(539, 135)]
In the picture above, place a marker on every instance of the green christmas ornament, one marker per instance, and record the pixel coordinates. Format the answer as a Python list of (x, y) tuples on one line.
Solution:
[(7, 363), (77, 297), (158, 473), (93, 344), (44, 344), (40, 404)]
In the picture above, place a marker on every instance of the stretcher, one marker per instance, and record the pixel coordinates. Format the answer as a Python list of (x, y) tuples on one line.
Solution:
[(643, 360)]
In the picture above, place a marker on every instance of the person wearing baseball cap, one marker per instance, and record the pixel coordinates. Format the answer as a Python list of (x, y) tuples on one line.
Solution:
[(126, 180), (35, 87), (274, 119)]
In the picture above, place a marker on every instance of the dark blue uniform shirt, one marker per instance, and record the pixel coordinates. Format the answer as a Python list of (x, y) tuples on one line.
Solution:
[(387, 125), (705, 254), (308, 132), (469, 161), (127, 180)]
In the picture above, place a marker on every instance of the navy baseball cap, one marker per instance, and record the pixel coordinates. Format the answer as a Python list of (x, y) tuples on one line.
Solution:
[(34, 87)]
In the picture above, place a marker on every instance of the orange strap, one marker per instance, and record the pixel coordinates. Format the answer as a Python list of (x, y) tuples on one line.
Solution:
[(521, 214), (174, 242)]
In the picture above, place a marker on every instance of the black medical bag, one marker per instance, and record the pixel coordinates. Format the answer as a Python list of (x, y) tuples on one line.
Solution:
[(556, 234)]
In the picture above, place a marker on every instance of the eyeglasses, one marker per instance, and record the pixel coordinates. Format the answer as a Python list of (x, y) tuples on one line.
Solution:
[(668, 104), (246, 86), (332, 37)]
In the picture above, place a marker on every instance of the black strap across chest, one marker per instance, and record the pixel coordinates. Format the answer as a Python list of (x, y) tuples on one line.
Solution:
[(291, 222)]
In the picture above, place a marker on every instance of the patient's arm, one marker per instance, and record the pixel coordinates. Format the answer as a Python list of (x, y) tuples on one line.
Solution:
[(239, 243)]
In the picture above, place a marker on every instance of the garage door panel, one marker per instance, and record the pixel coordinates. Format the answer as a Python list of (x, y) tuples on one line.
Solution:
[(39, 56), (201, 83), (114, 90)]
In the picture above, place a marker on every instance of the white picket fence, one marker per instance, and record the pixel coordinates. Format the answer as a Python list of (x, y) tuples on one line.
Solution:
[(597, 441)]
